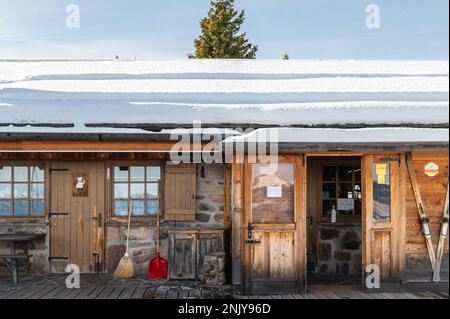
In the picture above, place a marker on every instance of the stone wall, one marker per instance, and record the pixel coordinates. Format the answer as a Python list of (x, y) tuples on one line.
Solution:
[(39, 248), (210, 209), (339, 249)]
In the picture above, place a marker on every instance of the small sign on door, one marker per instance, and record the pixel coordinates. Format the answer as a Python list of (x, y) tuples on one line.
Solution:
[(80, 185), (274, 191), (345, 204)]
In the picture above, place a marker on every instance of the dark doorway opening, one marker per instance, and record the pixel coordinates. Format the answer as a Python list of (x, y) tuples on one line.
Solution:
[(334, 209)]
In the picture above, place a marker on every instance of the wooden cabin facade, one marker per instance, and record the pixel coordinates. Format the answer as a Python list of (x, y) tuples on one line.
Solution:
[(338, 198)]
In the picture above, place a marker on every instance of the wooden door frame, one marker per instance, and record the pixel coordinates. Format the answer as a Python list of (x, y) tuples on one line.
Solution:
[(321, 161), (93, 228), (299, 217)]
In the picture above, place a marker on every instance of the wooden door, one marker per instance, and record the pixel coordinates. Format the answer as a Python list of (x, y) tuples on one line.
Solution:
[(274, 228), (382, 215), (183, 254), (76, 215)]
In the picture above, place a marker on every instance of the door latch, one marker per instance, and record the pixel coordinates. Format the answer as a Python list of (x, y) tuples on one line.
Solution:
[(250, 228)]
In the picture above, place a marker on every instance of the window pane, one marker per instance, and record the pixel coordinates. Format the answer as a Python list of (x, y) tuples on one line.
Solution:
[(327, 207), (328, 190), (273, 193), (5, 208), (381, 193), (37, 207), (153, 173), (5, 174), (329, 174), (152, 206), (137, 190), (37, 191), (358, 208), (37, 174), (121, 174), (357, 174), (345, 190), (152, 191), (121, 191), (21, 208), (137, 174), (345, 173), (21, 190), (21, 174), (5, 191), (121, 207), (138, 207)]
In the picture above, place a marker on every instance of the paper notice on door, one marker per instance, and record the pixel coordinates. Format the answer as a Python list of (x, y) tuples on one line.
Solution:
[(345, 204), (274, 192)]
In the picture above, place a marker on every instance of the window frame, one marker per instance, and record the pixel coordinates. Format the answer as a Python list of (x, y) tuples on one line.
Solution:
[(337, 164), (29, 184), (111, 189)]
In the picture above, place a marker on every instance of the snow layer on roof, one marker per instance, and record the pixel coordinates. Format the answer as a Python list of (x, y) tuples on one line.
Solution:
[(268, 92), (367, 135)]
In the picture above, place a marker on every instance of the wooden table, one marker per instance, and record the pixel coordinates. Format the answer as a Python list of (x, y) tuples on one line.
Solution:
[(11, 259)]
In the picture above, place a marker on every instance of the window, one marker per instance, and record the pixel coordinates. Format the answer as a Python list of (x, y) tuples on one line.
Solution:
[(381, 192), (138, 185), (273, 193), (341, 189), (21, 191)]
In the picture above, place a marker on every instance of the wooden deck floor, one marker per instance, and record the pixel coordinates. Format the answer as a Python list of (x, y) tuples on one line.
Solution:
[(105, 287)]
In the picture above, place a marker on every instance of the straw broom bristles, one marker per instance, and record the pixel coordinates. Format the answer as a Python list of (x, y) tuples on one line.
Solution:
[(125, 267)]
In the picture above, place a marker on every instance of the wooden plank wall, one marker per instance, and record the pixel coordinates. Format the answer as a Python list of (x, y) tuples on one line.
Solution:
[(433, 190)]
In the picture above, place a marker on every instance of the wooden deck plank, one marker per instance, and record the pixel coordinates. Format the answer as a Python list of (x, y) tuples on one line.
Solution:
[(161, 292), (127, 293), (139, 293), (105, 293), (83, 294), (149, 293), (53, 293), (44, 291), (195, 293), (172, 293), (30, 292), (116, 293), (74, 292), (94, 293), (183, 293)]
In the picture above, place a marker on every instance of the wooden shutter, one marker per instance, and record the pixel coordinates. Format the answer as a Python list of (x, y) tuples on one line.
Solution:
[(179, 192)]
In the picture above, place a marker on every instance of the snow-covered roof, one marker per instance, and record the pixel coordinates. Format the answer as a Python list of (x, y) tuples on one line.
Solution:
[(225, 92), (380, 135)]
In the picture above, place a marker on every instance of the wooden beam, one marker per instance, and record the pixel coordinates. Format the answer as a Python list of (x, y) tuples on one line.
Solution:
[(87, 146)]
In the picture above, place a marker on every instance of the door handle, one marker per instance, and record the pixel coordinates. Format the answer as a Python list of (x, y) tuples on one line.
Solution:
[(250, 228)]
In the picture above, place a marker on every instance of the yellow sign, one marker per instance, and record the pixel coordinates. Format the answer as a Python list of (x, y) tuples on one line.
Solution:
[(381, 171)]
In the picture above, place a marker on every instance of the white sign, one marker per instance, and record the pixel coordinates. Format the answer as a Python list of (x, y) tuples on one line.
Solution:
[(274, 191), (345, 204)]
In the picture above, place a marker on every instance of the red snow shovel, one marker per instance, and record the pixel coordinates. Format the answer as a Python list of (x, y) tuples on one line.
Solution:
[(157, 268)]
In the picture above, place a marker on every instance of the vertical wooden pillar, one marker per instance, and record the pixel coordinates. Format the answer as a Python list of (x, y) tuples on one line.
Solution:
[(237, 212)]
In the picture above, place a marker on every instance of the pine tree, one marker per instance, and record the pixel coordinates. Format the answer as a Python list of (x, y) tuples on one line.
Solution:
[(286, 56), (220, 38)]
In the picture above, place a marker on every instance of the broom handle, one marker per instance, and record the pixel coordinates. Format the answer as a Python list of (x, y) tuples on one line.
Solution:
[(129, 225), (157, 231)]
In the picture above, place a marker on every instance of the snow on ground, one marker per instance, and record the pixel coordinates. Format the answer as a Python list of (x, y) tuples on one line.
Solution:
[(268, 92)]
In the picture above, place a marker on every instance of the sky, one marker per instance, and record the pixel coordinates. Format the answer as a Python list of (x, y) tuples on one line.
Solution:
[(165, 29)]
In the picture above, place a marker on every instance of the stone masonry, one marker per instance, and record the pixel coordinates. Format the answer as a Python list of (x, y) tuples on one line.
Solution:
[(339, 250)]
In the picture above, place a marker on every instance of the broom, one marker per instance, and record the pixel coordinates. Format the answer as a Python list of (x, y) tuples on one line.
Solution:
[(125, 268)]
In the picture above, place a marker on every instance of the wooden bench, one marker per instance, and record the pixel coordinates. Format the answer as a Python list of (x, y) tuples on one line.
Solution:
[(12, 259)]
